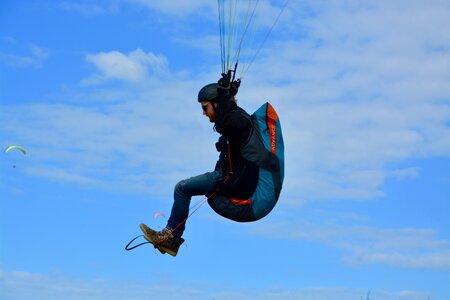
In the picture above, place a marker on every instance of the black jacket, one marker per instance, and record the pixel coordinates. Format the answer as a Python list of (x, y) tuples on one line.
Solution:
[(234, 124)]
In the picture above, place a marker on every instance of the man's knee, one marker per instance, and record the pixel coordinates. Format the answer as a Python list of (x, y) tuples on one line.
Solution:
[(180, 187)]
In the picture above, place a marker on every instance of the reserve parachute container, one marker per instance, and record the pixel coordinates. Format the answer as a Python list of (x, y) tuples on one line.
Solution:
[(264, 148)]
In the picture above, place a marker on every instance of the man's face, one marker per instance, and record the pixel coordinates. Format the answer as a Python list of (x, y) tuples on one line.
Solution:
[(208, 110)]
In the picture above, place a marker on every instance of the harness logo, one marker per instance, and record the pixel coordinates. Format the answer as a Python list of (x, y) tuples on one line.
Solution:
[(273, 138), (272, 118)]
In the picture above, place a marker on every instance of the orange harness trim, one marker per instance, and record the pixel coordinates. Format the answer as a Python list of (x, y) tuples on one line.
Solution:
[(272, 118), (241, 202)]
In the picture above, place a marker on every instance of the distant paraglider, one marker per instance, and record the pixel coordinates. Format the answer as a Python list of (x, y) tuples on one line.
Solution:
[(19, 148), (16, 147), (158, 214)]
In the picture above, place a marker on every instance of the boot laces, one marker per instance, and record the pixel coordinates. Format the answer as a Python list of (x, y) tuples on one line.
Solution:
[(165, 234)]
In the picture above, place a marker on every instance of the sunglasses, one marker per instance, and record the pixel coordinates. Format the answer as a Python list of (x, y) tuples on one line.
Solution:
[(205, 107)]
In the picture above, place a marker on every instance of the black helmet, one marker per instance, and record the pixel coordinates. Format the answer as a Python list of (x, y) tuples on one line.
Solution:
[(208, 92)]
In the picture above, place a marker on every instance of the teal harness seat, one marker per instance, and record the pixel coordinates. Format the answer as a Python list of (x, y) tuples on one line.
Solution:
[(265, 149)]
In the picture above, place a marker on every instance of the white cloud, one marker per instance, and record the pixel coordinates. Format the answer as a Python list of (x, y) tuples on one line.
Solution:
[(24, 285), (35, 58), (436, 261), (208, 44), (178, 7), (356, 93), (358, 86), (64, 175), (39, 52), (133, 67), (90, 9), (413, 248), (133, 145)]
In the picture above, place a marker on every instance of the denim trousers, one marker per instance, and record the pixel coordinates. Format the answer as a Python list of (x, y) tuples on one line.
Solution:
[(203, 184)]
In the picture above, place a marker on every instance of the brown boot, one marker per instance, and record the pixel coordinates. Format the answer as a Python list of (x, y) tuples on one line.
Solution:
[(163, 240)]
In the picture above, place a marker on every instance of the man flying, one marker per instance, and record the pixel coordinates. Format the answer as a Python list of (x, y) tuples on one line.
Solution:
[(234, 125)]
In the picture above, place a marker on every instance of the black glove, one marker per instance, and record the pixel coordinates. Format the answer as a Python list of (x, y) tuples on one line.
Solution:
[(227, 88), (221, 145)]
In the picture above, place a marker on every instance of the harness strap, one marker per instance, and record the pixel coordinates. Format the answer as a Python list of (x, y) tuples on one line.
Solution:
[(230, 172)]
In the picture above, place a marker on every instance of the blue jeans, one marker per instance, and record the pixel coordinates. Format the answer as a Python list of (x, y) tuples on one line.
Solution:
[(184, 190)]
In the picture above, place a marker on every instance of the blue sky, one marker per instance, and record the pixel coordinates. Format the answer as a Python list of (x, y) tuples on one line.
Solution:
[(102, 94)]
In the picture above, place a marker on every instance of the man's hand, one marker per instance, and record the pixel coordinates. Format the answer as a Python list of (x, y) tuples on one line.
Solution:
[(227, 88)]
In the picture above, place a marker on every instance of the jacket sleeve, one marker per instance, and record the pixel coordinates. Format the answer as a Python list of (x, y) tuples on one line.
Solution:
[(229, 122)]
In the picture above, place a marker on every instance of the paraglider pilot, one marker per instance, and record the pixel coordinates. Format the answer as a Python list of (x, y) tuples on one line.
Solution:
[(219, 105)]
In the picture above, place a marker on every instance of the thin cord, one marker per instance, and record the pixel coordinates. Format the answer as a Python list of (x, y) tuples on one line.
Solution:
[(265, 38), (199, 204), (248, 20), (221, 33)]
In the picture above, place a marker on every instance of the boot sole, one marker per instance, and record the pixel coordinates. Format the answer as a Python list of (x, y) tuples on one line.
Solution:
[(168, 251), (172, 252)]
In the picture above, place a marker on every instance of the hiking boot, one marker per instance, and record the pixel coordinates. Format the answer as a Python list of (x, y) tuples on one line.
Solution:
[(170, 244), (163, 240), (151, 236)]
